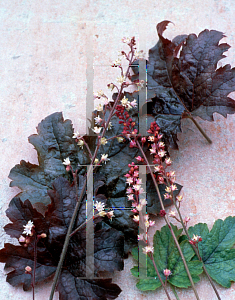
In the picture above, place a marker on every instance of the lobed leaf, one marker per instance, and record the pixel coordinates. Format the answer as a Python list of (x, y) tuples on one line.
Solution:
[(166, 256), (215, 249)]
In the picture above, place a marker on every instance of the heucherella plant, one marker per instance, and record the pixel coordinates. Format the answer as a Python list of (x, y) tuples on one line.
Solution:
[(97, 204)]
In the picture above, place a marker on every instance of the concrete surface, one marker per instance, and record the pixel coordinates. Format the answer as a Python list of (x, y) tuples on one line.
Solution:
[(43, 70)]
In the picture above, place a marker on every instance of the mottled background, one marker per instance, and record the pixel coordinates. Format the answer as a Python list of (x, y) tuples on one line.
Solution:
[(43, 48)]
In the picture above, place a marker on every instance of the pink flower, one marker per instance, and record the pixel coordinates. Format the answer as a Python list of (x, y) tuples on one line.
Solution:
[(139, 158), (167, 272), (132, 144), (136, 173), (129, 190), (129, 180), (131, 197), (148, 249)]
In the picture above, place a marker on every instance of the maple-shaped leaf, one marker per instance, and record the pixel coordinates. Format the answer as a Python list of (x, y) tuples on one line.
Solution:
[(216, 249), (187, 81), (108, 245), (54, 143), (166, 256)]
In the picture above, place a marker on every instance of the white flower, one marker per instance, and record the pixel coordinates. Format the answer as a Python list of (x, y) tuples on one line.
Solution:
[(124, 101), (151, 138), (109, 126), (148, 249), (66, 162), (111, 86), (126, 40), (107, 100), (98, 120), (104, 158), (133, 103), (116, 62), (99, 206), (139, 54), (99, 94), (161, 153), (136, 187), (129, 180), (102, 213), (76, 135), (21, 239), (28, 228), (80, 143), (120, 79), (110, 214), (143, 202), (120, 139), (96, 161), (99, 107), (157, 168), (103, 141), (172, 214), (136, 218), (97, 129)]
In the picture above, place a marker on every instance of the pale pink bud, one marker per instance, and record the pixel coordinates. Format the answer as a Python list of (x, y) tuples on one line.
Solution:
[(28, 269), (167, 272), (21, 239), (43, 235)]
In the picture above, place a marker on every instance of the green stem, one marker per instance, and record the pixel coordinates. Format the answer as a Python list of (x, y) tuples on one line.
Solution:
[(159, 276), (199, 128), (167, 221), (195, 249), (174, 291)]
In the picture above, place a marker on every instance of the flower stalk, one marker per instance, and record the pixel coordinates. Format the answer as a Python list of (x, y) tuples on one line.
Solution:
[(167, 221), (90, 170)]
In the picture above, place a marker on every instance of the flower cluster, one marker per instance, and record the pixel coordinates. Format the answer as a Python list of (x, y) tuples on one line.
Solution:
[(99, 206), (195, 239)]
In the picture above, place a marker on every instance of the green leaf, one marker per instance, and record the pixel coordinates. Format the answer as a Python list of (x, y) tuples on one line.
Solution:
[(215, 249), (166, 256)]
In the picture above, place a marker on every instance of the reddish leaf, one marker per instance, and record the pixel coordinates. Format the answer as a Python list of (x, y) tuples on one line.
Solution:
[(71, 288), (108, 244), (190, 82)]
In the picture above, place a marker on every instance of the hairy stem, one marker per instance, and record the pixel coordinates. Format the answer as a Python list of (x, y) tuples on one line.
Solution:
[(72, 221), (196, 250), (174, 291), (199, 128), (159, 276), (34, 265), (167, 221)]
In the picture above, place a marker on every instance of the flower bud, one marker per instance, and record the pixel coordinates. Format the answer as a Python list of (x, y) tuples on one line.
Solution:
[(28, 269), (21, 239)]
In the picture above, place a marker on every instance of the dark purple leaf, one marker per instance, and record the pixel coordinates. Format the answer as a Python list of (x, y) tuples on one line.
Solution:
[(187, 80), (108, 242), (72, 288)]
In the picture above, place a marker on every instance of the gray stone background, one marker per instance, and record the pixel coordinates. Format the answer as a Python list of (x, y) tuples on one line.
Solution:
[(43, 53)]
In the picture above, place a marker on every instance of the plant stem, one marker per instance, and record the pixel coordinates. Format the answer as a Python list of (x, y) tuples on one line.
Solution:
[(79, 227), (72, 221), (159, 276), (34, 265), (196, 250), (199, 128), (168, 223), (174, 291)]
